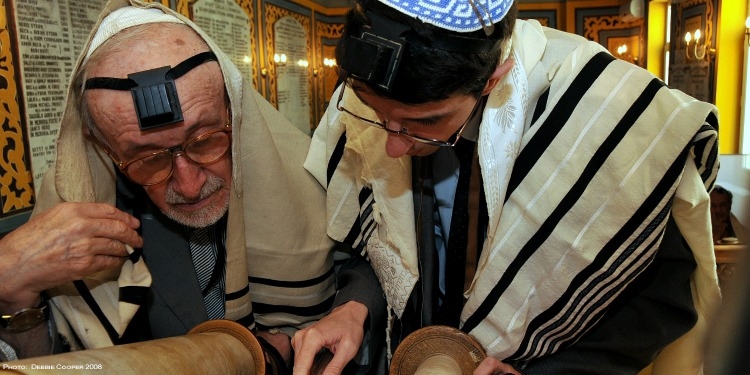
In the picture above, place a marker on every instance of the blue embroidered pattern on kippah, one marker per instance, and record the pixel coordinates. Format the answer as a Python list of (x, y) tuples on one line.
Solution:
[(455, 15)]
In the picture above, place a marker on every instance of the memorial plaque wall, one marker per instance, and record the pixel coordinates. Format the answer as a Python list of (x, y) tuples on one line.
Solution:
[(52, 34), (41, 41), (229, 26), (293, 90)]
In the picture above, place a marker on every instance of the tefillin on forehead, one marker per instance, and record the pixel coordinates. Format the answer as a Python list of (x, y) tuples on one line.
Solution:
[(154, 92)]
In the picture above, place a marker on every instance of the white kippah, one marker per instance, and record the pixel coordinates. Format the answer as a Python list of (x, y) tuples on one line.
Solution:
[(455, 15), (126, 17)]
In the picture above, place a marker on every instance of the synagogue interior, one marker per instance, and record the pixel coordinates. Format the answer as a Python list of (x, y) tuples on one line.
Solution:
[(286, 50)]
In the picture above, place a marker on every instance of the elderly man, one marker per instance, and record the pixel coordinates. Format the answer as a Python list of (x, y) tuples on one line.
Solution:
[(177, 195), (521, 184)]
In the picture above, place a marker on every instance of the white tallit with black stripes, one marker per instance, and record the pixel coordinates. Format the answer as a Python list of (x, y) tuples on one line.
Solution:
[(279, 264), (577, 200)]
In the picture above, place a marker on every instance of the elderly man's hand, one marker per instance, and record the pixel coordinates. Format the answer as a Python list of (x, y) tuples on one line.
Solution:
[(341, 332), (62, 244)]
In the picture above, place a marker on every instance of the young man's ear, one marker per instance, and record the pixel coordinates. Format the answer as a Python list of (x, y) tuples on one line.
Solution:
[(498, 74)]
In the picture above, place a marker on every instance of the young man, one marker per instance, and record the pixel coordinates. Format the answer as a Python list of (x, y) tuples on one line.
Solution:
[(522, 184), (177, 196)]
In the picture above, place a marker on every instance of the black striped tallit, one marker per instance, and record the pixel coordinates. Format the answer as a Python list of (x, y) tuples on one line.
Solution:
[(629, 250)]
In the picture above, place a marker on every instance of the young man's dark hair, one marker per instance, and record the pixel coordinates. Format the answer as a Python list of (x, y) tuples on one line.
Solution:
[(427, 73)]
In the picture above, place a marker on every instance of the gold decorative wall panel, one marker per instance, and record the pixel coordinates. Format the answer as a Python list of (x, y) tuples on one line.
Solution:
[(549, 14), (16, 180), (599, 21), (692, 68), (630, 40), (326, 76), (185, 7), (272, 14), (247, 6)]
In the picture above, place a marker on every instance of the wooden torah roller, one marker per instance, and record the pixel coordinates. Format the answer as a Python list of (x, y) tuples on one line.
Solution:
[(437, 350), (212, 347)]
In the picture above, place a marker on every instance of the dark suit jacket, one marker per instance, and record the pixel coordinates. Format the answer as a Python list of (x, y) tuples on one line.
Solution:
[(174, 303)]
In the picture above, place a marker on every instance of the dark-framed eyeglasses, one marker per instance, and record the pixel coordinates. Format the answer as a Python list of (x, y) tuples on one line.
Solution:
[(450, 142), (158, 166)]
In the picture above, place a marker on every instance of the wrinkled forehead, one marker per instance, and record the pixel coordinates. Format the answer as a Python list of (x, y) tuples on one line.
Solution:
[(145, 47)]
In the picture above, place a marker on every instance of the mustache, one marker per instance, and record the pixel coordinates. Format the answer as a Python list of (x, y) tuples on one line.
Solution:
[(212, 185)]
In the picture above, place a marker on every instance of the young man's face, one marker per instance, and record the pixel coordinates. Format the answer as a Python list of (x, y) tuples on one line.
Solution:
[(437, 120), (194, 195)]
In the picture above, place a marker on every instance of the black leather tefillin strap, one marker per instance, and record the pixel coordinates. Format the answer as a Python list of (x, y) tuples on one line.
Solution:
[(154, 92)]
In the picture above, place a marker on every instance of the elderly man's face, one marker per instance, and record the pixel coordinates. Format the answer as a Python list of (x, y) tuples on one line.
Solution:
[(195, 195)]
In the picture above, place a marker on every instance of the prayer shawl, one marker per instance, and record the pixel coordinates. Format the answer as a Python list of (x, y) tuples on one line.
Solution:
[(578, 195), (275, 236)]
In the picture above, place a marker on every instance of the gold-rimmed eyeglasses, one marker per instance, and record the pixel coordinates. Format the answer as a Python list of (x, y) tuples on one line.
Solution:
[(158, 166), (403, 131)]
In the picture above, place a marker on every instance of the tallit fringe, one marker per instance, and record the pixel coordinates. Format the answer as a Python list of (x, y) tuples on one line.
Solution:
[(388, 332)]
